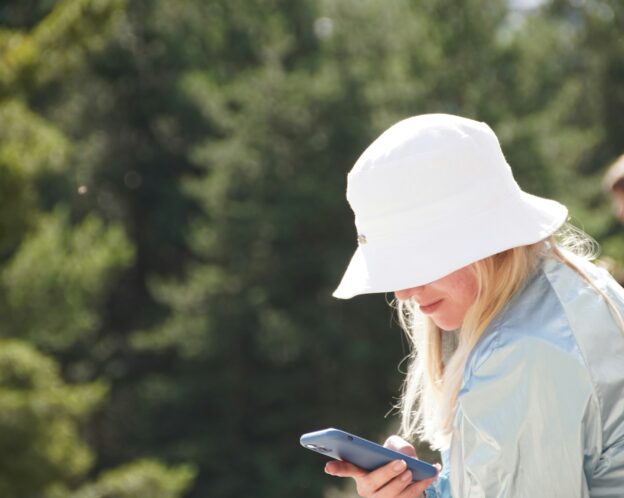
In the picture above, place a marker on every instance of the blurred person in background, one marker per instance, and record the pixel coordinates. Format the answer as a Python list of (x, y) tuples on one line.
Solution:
[(613, 183), (518, 340)]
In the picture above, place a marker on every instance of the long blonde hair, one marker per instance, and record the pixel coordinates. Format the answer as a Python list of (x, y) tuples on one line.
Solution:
[(431, 386)]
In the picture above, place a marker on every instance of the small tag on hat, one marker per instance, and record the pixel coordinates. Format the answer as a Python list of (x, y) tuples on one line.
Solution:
[(361, 239)]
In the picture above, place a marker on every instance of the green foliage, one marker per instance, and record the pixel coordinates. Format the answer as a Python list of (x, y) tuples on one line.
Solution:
[(29, 146), (28, 143), (41, 446), (140, 479), (74, 267), (59, 266), (57, 45)]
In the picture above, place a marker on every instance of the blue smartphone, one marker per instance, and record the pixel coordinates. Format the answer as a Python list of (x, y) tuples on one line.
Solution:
[(361, 452)]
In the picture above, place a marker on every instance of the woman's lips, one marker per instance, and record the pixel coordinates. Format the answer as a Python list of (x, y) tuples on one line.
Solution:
[(427, 309)]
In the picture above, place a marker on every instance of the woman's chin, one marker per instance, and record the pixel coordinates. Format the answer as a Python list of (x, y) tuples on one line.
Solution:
[(445, 323)]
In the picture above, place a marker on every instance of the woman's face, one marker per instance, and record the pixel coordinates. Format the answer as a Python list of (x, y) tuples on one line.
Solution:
[(447, 299)]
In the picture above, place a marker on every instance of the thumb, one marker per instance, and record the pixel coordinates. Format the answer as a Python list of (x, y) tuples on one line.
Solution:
[(399, 444)]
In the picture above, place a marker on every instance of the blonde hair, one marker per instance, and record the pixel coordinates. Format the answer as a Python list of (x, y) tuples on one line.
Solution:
[(430, 390)]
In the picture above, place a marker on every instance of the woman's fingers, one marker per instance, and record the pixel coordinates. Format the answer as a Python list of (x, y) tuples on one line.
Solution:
[(414, 490), (344, 469), (392, 480), (370, 483), (396, 487), (402, 486)]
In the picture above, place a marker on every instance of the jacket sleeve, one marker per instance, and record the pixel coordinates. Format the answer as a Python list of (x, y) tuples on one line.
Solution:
[(441, 486), (524, 419)]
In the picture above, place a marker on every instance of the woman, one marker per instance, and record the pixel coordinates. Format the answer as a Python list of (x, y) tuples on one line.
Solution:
[(517, 371)]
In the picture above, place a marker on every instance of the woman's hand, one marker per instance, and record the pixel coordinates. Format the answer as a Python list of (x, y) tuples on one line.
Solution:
[(393, 480)]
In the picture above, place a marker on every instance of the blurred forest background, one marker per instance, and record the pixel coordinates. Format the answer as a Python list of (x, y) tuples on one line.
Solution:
[(173, 222)]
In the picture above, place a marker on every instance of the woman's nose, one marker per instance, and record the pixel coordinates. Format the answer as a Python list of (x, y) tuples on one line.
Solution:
[(405, 294)]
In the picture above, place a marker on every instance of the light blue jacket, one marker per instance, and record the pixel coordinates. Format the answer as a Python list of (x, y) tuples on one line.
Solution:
[(541, 409)]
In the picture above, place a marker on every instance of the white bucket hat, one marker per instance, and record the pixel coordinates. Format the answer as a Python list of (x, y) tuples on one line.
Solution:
[(431, 195)]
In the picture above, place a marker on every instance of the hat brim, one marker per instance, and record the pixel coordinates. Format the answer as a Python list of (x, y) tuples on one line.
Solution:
[(519, 220)]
